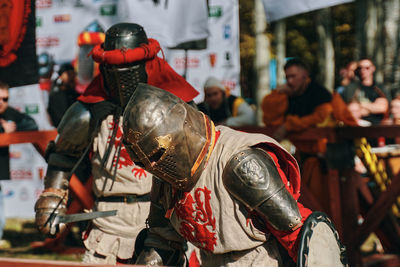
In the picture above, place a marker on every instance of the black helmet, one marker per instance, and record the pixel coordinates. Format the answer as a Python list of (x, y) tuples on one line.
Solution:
[(121, 80)]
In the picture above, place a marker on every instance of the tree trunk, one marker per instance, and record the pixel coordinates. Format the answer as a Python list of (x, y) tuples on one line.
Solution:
[(326, 52), (280, 36), (379, 45), (391, 41), (370, 29), (262, 58)]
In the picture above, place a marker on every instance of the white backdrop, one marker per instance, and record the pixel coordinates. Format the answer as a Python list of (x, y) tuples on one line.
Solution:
[(276, 10), (27, 166), (221, 59), (171, 22)]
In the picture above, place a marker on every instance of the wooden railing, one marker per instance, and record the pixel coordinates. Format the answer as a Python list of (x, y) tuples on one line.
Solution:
[(347, 187), (39, 139)]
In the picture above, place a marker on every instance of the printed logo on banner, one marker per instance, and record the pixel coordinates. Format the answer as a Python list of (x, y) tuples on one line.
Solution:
[(32, 109), (44, 3), (39, 21), (47, 41), (227, 60), (227, 31), (108, 10), (215, 12), (213, 59), (193, 62), (21, 174), (62, 18)]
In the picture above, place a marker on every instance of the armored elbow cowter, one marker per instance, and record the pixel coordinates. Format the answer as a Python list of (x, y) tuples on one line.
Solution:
[(62, 155), (251, 176)]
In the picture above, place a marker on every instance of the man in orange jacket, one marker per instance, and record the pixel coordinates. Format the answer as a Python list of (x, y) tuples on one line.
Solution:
[(298, 105)]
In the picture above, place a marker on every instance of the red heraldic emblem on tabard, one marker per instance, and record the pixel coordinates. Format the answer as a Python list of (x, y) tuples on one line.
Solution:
[(197, 221)]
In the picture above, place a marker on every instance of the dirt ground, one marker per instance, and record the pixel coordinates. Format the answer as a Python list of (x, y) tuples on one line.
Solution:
[(21, 236)]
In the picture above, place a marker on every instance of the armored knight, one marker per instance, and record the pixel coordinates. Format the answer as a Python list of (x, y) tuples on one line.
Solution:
[(92, 127), (231, 194)]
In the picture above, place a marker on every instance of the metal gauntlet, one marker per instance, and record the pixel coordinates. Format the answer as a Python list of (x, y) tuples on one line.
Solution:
[(252, 177)]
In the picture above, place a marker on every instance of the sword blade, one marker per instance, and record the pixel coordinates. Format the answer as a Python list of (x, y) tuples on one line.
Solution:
[(77, 217)]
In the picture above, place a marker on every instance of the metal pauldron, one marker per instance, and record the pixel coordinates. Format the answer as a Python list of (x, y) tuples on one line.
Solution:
[(73, 137), (251, 176), (74, 131)]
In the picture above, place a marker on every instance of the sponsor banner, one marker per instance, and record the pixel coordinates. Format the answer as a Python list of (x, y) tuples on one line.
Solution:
[(59, 24), (20, 197), (29, 99), (17, 42), (25, 162), (221, 59), (276, 10), (170, 22)]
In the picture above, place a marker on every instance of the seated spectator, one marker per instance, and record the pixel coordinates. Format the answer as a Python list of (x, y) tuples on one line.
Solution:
[(365, 93), (63, 94), (348, 75), (225, 109), (298, 105), (10, 121)]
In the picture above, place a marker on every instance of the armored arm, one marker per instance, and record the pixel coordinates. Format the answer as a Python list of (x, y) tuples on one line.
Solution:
[(251, 176), (62, 155), (162, 246)]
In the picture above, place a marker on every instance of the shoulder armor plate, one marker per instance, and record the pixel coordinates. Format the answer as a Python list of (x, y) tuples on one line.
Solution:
[(248, 176), (251, 176), (74, 131)]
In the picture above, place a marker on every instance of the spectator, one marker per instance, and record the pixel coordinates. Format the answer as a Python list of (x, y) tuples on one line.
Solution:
[(10, 121), (297, 106), (225, 109), (370, 97), (63, 94), (348, 75)]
